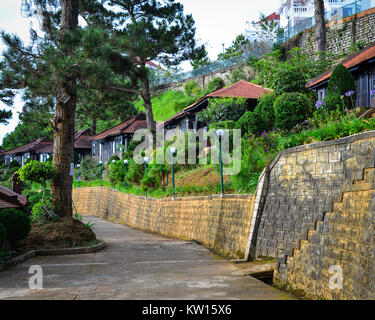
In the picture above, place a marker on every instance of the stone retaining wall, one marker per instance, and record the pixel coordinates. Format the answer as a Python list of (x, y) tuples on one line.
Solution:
[(222, 224), (341, 35), (304, 182)]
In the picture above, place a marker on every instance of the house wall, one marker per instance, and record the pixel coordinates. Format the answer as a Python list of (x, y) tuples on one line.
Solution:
[(219, 223)]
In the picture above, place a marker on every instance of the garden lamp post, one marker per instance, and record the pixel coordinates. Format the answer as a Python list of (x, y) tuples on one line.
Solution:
[(173, 153), (220, 133), (100, 165), (78, 166), (126, 162), (145, 161), (114, 185)]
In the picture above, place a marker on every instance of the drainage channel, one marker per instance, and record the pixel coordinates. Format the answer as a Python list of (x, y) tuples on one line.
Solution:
[(264, 276)]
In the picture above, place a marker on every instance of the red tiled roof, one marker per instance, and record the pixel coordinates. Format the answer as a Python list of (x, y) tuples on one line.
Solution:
[(34, 145), (129, 126), (241, 89), (350, 62), (272, 16), (10, 199)]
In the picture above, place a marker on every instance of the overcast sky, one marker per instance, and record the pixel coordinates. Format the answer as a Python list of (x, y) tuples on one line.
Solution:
[(217, 22)]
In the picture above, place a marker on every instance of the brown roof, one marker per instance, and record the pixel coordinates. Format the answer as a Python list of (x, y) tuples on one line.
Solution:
[(350, 62), (33, 146), (10, 199), (129, 126), (240, 89)]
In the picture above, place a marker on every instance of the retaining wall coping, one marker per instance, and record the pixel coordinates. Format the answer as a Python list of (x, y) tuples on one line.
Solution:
[(318, 145)]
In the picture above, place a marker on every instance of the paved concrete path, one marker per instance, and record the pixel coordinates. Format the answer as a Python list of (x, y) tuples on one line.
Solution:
[(136, 265)]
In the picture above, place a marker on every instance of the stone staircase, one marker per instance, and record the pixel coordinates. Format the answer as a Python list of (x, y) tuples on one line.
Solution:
[(339, 204)]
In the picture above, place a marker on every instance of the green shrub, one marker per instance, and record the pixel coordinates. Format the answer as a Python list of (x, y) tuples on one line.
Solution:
[(333, 102), (135, 172), (215, 84), (266, 110), (223, 109), (192, 89), (291, 109), (340, 84), (90, 169), (251, 122), (116, 172), (14, 164), (37, 213), (16, 223), (3, 236), (223, 125), (114, 157)]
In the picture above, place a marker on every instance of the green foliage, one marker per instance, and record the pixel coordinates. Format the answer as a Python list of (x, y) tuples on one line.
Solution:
[(3, 235), (16, 223), (256, 153), (192, 89), (291, 109), (167, 104), (14, 164), (90, 169), (288, 76), (5, 116), (215, 84), (266, 110), (251, 122), (342, 83), (223, 109), (116, 172), (39, 172), (38, 213), (114, 157), (135, 172), (223, 125)]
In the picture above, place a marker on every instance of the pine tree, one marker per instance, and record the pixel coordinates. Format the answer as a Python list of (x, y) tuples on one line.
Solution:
[(151, 30)]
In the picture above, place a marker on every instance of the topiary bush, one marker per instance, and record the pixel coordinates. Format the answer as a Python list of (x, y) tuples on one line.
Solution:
[(266, 110), (342, 83), (251, 122), (16, 223), (291, 109)]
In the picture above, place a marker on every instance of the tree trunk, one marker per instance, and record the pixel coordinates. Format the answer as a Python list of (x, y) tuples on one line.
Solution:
[(64, 122), (93, 127), (320, 30), (146, 96)]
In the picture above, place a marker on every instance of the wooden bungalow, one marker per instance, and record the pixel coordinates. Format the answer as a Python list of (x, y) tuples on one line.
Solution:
[(82, 146), (362, 66), (31, 150), (116, 140), (188, 118)]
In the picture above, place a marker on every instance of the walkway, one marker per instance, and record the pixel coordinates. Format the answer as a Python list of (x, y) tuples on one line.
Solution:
[(135, 265)]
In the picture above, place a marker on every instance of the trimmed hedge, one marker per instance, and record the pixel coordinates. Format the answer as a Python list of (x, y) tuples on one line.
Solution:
[(291, 109)]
